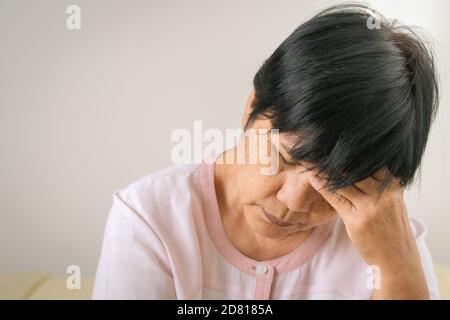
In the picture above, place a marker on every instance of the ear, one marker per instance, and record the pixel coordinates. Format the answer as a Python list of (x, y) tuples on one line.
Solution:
[(248, 108)]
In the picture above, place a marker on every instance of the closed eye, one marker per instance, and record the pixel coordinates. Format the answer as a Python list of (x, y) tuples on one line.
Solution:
[(286, 161), (293, 163)]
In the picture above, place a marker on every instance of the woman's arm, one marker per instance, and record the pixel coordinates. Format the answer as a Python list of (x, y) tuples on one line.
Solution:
[(403, 283), (379, 228)]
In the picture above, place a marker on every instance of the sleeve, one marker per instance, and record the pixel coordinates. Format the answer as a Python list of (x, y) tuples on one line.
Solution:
[(133, 262), (420, 231)]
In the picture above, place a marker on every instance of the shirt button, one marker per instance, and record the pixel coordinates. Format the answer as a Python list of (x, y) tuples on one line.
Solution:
[(261, 269)]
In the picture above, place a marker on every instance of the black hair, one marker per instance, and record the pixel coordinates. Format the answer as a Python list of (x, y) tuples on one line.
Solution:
[(356, 90)]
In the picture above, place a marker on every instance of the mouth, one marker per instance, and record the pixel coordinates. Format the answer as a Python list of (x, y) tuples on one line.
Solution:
[(274, 220)]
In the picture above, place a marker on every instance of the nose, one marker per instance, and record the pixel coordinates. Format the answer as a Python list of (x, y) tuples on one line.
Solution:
[(296, 193)]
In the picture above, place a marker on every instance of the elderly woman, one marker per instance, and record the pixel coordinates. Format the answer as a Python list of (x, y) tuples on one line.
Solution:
[(353, 100)]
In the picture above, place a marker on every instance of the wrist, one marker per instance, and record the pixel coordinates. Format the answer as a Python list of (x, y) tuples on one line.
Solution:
[(400, 281)]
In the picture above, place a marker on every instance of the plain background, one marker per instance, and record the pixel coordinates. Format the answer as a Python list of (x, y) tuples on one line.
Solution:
[(86, 112)]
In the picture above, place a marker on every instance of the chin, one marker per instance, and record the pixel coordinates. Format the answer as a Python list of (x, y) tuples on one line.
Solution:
[(272, 231)]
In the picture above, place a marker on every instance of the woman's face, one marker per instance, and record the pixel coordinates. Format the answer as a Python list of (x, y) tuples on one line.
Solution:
[(283, 203)]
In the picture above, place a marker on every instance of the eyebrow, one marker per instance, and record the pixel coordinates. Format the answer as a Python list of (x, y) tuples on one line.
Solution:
[(295, 161)]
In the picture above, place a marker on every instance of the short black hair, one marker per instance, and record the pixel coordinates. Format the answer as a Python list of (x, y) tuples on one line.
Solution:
[(357, 91)]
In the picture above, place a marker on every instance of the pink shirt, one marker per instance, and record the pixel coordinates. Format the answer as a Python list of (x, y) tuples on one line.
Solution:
[(164, 239)]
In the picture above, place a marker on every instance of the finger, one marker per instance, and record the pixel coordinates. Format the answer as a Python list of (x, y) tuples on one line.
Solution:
[(342, 205), (352, 193), (368, 186), (371, 185), (397, 184), (381, 174)]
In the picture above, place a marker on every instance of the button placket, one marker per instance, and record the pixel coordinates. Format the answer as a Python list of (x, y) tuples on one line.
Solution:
[(264, 277), (261, 269)]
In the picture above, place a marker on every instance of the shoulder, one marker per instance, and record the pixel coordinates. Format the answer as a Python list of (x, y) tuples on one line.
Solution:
[(167, 177), (162, 196), (418, 228)]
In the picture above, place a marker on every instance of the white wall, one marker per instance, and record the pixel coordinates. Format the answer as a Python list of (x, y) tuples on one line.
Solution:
[(85, 112)]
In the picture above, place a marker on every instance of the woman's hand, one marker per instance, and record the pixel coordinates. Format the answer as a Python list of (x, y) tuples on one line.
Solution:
[(378, 226)]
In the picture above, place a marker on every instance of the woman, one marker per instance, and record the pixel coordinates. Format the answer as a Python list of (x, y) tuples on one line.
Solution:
[(353, 103)]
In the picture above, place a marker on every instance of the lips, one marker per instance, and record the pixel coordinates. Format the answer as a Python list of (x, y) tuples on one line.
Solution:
[(275, 220)]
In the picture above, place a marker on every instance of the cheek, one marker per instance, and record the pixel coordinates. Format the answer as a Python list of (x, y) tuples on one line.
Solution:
[(252, 186)]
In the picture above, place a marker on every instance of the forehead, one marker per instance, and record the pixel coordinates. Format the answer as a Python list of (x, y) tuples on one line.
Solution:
[(287, 140)]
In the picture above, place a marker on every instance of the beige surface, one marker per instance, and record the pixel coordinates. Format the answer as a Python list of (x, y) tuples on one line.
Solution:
[(443, 275), (55, 288), (41, 286), (21, 286)]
